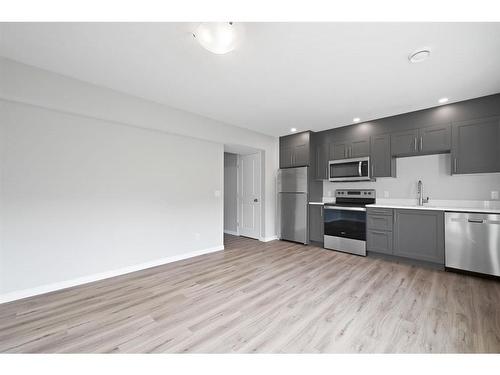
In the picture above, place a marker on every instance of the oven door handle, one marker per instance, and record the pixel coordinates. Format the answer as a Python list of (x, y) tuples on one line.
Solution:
[(359, 168), (345, 208)]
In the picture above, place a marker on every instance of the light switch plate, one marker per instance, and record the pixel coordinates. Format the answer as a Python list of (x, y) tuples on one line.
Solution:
[(386, 194), (494, 194), (217, 193)]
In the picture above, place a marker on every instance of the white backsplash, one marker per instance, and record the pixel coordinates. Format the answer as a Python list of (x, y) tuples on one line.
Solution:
[(435, 173)]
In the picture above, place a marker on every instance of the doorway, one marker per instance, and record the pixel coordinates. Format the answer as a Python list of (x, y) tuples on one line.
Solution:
[(243, 193)]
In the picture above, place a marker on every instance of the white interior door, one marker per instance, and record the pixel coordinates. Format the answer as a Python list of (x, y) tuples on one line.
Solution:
[(249, 195)]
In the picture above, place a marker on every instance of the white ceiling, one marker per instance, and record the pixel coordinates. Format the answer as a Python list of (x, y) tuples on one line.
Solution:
[(305, 75)]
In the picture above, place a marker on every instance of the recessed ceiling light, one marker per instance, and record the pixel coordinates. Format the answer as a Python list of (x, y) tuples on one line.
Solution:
[(293, 130), (218, 37), (419, 55), (356, 119), (443, 100)]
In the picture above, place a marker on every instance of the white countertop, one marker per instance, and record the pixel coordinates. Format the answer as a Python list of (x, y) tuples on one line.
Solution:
[(492, 207)]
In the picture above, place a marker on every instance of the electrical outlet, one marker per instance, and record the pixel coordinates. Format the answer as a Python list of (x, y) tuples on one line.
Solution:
[(217, 193), (386, 194), (494, 194), (329, 193)]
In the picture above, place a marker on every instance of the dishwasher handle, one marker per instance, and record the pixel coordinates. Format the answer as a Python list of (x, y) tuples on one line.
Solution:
[(477, 221)]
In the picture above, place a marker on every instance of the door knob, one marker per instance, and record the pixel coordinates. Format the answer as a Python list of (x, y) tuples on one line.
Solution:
[(255, 200)]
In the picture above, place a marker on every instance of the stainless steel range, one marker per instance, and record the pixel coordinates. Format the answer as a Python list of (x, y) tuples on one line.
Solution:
[(345, 220)]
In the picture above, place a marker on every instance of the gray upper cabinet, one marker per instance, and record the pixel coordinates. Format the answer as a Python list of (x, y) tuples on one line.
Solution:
[(316, 225), (285, 156), (360, 148), (350, 149), (300, 155), (404, 143), (382, 163), (476, 146), (428, 140), (295, 150), (321, 161), (435, 139), (419, 234), (339, 150)]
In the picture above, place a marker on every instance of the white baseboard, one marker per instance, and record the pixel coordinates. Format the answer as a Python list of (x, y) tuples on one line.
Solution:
[(231, 232), (12, 296), (267, 239)]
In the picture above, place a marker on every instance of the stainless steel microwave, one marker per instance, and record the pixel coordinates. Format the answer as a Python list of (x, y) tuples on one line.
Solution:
[(354, 169)]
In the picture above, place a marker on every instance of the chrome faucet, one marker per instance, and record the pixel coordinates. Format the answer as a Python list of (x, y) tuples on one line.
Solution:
[(420, 192)]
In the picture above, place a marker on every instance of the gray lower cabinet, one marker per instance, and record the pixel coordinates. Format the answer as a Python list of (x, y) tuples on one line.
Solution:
[(419, 234), (316, 226), (476, 146), (379, 235), (379, 222), (415, 234), (379, 241), (382, 163)]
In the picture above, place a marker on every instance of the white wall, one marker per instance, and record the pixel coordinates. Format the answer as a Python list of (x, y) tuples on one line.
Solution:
[(230, 192), (83, 196), (435, 173), (93, 180), (27, 84)]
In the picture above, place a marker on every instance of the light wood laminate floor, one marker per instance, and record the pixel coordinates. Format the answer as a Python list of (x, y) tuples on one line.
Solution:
[(263, 297)]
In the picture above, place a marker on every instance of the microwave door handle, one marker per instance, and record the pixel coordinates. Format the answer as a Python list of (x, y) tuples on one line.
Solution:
[(359, 168)]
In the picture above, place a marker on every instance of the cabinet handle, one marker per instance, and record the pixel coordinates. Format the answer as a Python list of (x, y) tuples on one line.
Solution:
[(421, 143), (321, 212), (373, 169), (415, 143), (327, 177), (455, 165)]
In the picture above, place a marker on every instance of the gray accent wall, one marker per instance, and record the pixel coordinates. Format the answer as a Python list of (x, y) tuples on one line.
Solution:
[(230, 192), (435, 173)]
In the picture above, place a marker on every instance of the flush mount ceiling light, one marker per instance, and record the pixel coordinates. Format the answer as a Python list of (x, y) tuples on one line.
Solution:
[(356, 119), (293, 130), (419, 55), (442, 100), (219, 37)]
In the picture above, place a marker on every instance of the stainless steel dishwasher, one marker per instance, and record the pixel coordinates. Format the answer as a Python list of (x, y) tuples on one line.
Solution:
[(472, 242)]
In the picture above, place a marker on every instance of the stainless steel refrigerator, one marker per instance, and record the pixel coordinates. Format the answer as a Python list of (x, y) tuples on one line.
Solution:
[(293, 193)]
